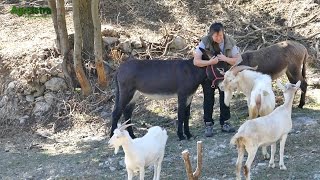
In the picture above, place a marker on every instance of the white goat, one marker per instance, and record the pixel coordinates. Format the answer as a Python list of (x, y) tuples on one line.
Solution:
[(257, 88), (266, 130), (140, 152)]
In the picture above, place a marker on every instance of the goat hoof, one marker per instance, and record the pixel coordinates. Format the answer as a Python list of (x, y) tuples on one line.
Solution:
[(266, 156), (283, 167), (300, 106), (272, 165)]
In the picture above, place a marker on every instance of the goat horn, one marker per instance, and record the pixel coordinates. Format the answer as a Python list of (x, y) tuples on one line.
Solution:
[(239, 60), (124, 123), (238, 69), (125, 126)]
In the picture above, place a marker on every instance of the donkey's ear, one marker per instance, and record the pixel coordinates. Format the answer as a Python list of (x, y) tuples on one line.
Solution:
[(279, 84), (202, 50)]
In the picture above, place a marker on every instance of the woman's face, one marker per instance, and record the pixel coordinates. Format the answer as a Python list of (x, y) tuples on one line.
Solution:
[(218, 37)]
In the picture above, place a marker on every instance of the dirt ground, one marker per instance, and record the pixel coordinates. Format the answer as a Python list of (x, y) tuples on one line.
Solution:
[(81, 152)]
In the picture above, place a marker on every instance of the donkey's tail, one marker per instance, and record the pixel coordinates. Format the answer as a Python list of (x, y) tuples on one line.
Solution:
[(117, 89), (304, 65)]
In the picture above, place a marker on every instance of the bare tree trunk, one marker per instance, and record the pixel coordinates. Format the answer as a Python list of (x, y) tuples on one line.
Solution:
[(77, 60), (64, 43), (87, 29), (53, 7), (102, 79)]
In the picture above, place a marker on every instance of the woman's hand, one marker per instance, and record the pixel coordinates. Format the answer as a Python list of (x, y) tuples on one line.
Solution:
[(214, 60), (222, 57)]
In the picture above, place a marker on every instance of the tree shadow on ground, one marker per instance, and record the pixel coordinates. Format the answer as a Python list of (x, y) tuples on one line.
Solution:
[(136, 13)]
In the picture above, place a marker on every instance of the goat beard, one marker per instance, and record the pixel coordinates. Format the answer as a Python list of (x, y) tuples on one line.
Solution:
[(116, 149), (227, 98)]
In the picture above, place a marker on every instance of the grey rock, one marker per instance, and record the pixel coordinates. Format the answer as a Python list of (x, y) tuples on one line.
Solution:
[(3, 101), (112, 168), (121, 163), (23, 119), (136, 43), (125, 45), (56, 84), (40, 108), (109, 31), (40, 98), (44, 78), (30, 98), (49, 98), (178, 43), (110, 40), (39, 91)]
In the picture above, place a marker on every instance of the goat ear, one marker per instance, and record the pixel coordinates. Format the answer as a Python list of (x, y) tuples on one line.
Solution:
[(279, 84), (298, 84)]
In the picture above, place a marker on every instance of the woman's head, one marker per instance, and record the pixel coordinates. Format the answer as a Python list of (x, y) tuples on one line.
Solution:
[(217, 32)]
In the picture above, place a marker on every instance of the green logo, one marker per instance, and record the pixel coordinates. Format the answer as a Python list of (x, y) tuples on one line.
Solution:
[(30, 10)]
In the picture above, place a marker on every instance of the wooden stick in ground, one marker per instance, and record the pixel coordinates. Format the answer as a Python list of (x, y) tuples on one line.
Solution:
[(186, 159), (197, 173), (185, 155)]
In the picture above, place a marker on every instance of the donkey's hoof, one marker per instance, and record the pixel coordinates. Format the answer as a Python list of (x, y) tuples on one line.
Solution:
[(182, 137), (272, 165), (283, 167), (189, 136)]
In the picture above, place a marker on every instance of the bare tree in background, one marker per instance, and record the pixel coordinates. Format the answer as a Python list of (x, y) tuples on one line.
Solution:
[(77, 58), (59, 23), (102, 79), (86, 24)]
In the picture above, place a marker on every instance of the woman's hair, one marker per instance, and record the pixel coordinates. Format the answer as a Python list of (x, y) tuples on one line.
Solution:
[(215, 27)]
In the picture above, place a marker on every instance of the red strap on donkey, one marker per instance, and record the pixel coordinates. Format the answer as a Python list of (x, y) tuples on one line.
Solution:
[(215, 78)]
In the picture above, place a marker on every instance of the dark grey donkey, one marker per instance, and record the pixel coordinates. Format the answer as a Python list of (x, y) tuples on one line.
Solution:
[(157, 79), (287, 57)]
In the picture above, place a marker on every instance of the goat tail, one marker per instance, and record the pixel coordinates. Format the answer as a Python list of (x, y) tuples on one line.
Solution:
[(237, 140), (258, 103)]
